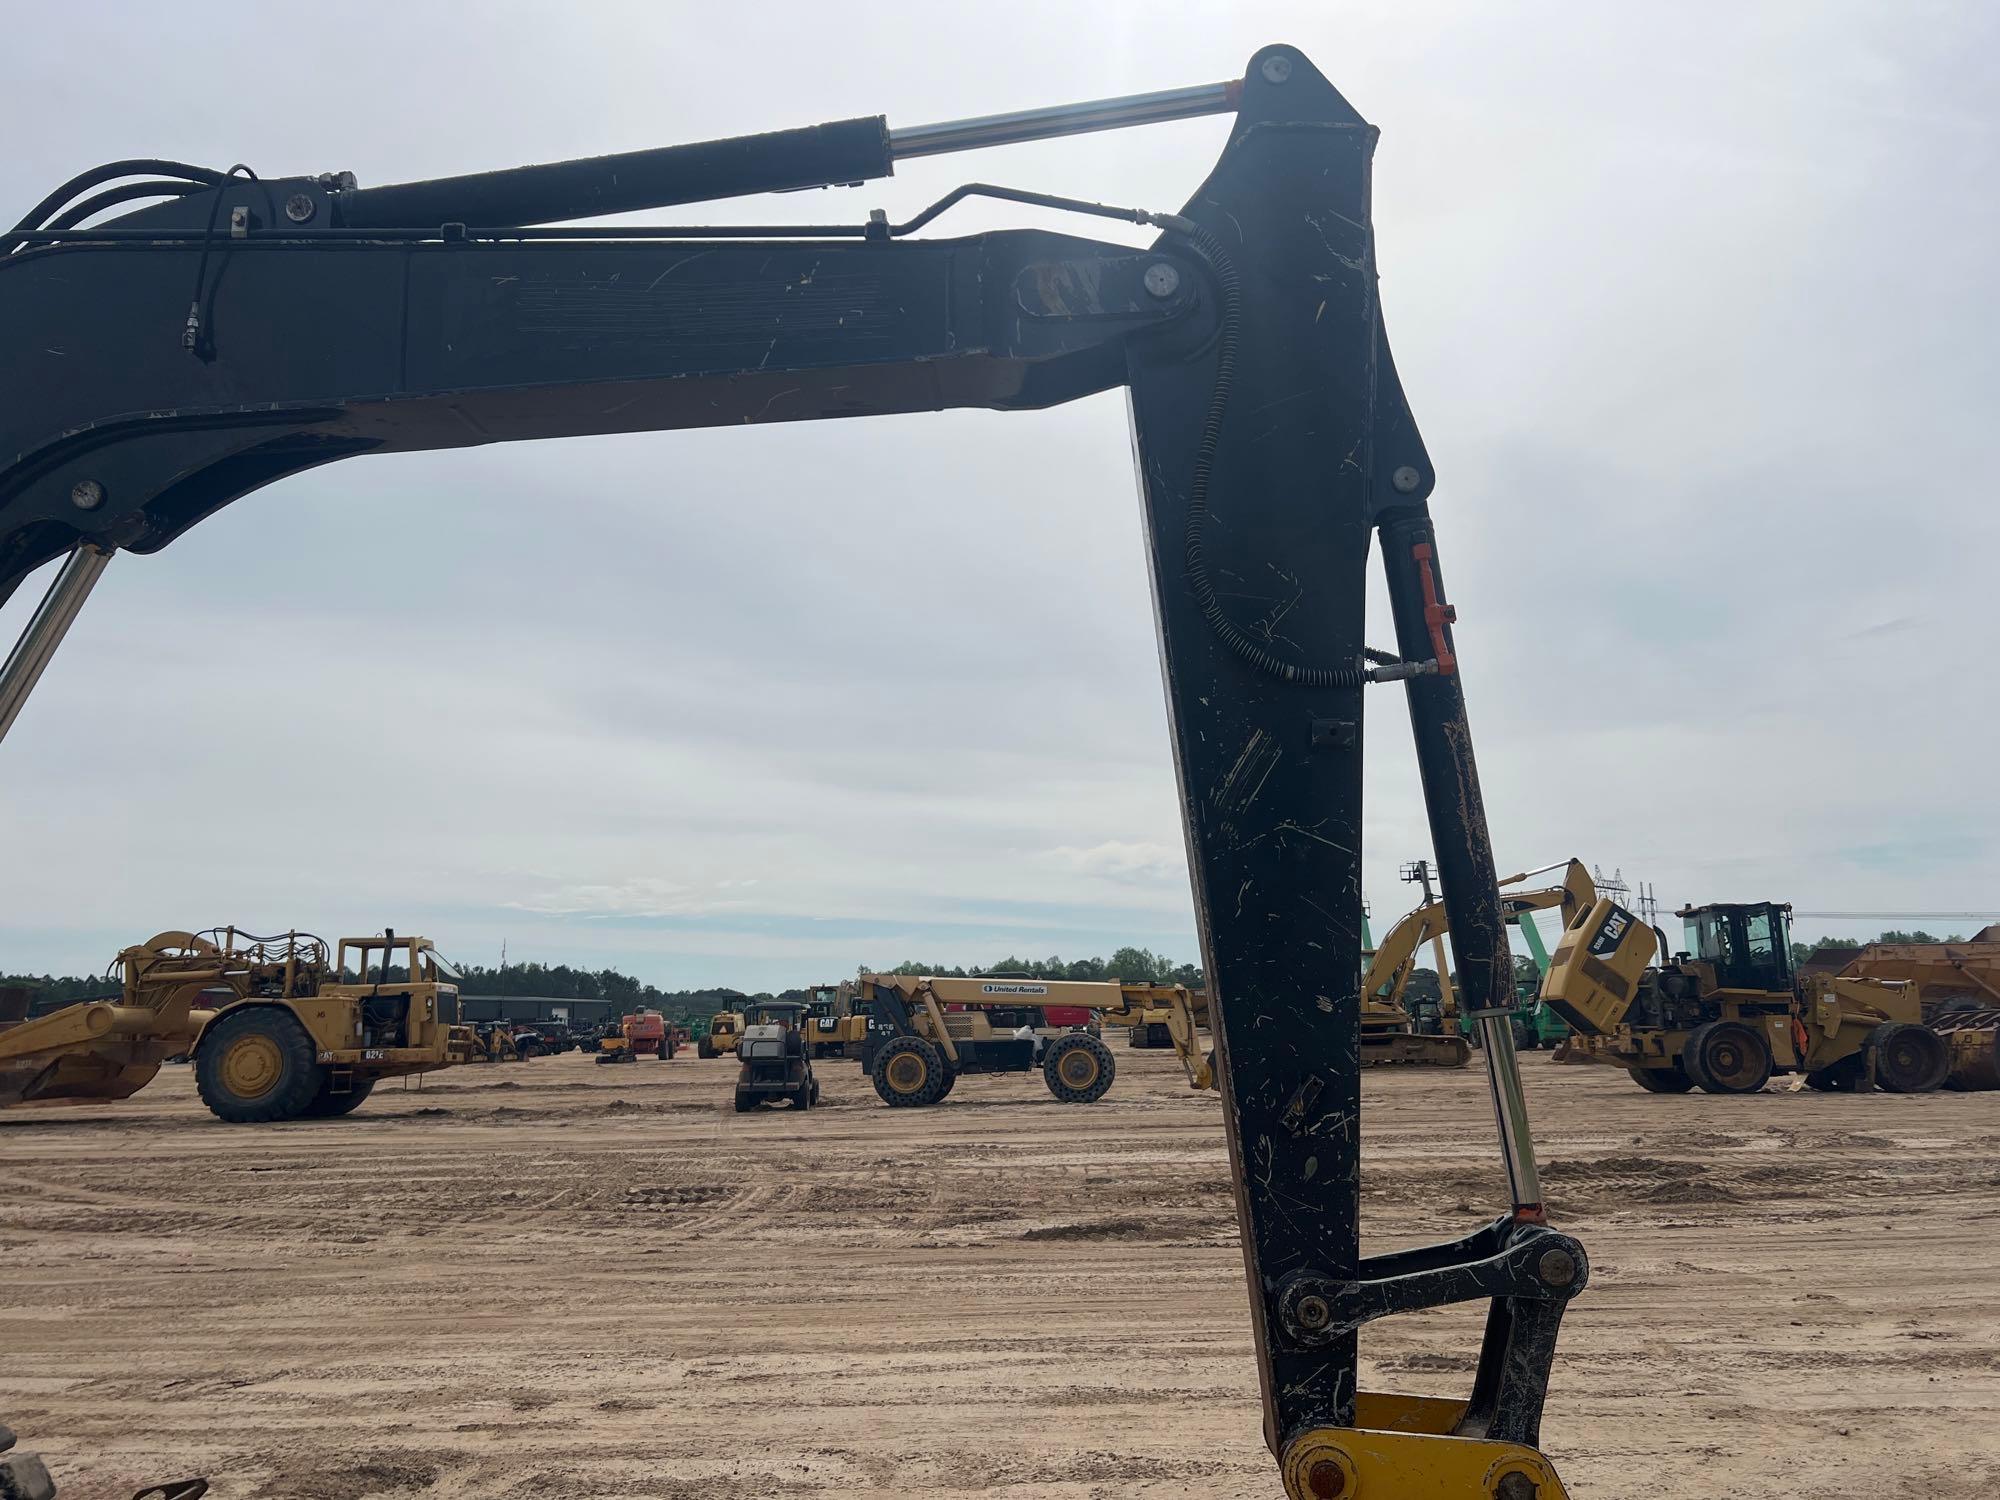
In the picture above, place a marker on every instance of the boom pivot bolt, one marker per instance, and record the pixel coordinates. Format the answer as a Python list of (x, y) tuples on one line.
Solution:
[(1326, 1481), (86, 494), (1162, 279), (1517, 1486), (1277, 68), (1557, 1267), (1313, 1312)]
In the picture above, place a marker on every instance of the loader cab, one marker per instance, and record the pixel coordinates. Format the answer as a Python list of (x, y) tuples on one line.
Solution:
[(1749, 946)]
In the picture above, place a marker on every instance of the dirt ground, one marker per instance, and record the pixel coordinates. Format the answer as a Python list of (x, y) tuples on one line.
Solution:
[(558, 1279)]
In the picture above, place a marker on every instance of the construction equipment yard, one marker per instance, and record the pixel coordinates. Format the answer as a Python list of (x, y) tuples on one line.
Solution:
[(567, 1279)]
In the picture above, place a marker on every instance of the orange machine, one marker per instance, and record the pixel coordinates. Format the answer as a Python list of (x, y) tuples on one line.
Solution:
[(648, 1035)]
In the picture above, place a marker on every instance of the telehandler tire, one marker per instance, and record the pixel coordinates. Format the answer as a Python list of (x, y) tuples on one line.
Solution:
[(1662, 1080), (1726, 1057), (704, 1048), (256, 1066), (1078, 1068), (909, 1073), (1908, 1059), (328, 1105)]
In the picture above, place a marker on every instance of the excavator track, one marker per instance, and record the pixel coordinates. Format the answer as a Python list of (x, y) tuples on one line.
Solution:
[(1414, 1049)]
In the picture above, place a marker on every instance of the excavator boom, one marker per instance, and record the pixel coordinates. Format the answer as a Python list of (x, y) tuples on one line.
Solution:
[(168, 362)]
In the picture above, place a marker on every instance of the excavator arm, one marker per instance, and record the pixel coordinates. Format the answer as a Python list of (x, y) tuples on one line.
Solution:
[(165, 363)]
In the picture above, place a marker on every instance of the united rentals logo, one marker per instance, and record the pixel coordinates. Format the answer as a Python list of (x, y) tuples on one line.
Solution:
[(1013, 989)]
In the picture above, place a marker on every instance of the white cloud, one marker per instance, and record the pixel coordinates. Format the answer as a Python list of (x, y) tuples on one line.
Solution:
[(1694, 311)]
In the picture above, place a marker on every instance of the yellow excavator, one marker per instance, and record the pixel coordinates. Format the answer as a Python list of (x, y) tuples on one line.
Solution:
[(1389, 1031), (275, 1029)]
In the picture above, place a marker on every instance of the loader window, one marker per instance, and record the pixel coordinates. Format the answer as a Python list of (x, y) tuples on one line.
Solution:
[(1749, 946), (1707, 937)]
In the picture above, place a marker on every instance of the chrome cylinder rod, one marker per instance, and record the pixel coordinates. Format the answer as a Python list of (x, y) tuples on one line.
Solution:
[(46, 629), (1510, 1112), (1064, 119)]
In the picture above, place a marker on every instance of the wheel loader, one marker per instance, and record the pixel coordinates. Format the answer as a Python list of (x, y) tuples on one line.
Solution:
[(834, 1025), (1958, 986), (725, 1028), (1729, 1012), (274, 1030)]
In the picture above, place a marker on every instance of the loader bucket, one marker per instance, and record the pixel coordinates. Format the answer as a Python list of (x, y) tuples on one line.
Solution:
[(1973, 1036)]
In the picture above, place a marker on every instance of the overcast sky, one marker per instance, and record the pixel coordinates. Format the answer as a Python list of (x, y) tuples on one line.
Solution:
[(1694, 304)]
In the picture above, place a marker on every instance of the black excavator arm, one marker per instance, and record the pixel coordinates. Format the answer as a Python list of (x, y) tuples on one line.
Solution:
[(164, 363)]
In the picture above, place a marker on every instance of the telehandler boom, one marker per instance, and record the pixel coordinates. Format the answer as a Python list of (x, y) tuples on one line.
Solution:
[(235, 330)]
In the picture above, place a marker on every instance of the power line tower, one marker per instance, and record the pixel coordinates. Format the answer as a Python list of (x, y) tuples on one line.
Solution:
[(1648, 903), (1612, 885)]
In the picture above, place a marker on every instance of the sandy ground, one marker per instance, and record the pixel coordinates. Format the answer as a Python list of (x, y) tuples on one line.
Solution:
[(557, 1279)]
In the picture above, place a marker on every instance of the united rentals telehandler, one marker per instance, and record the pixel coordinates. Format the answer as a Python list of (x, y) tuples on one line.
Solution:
[(1276, 453), (275, 1028), (924, 1031), (1730, 1011)]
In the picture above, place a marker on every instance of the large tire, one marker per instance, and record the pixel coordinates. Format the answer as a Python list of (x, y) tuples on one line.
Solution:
[(745, 1102), (1727, 1057), (1078, 1068), (909, 1073), (1907, 1059), (328, 1105), (704, 1048), (256, 1066), (1662, 1080), (530, 1049), (950, 1080)]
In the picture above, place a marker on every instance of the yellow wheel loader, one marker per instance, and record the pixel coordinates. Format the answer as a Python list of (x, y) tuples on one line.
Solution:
[(1958, 986), (272, 1032), (1729, 1012), (725, 1030), (833, 1024)]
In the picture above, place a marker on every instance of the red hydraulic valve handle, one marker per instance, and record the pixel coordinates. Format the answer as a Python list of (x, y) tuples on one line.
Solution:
[(1437, 614)]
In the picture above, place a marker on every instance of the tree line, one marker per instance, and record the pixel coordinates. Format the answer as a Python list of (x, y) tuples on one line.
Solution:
[(1132, 965), (625, 993)]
